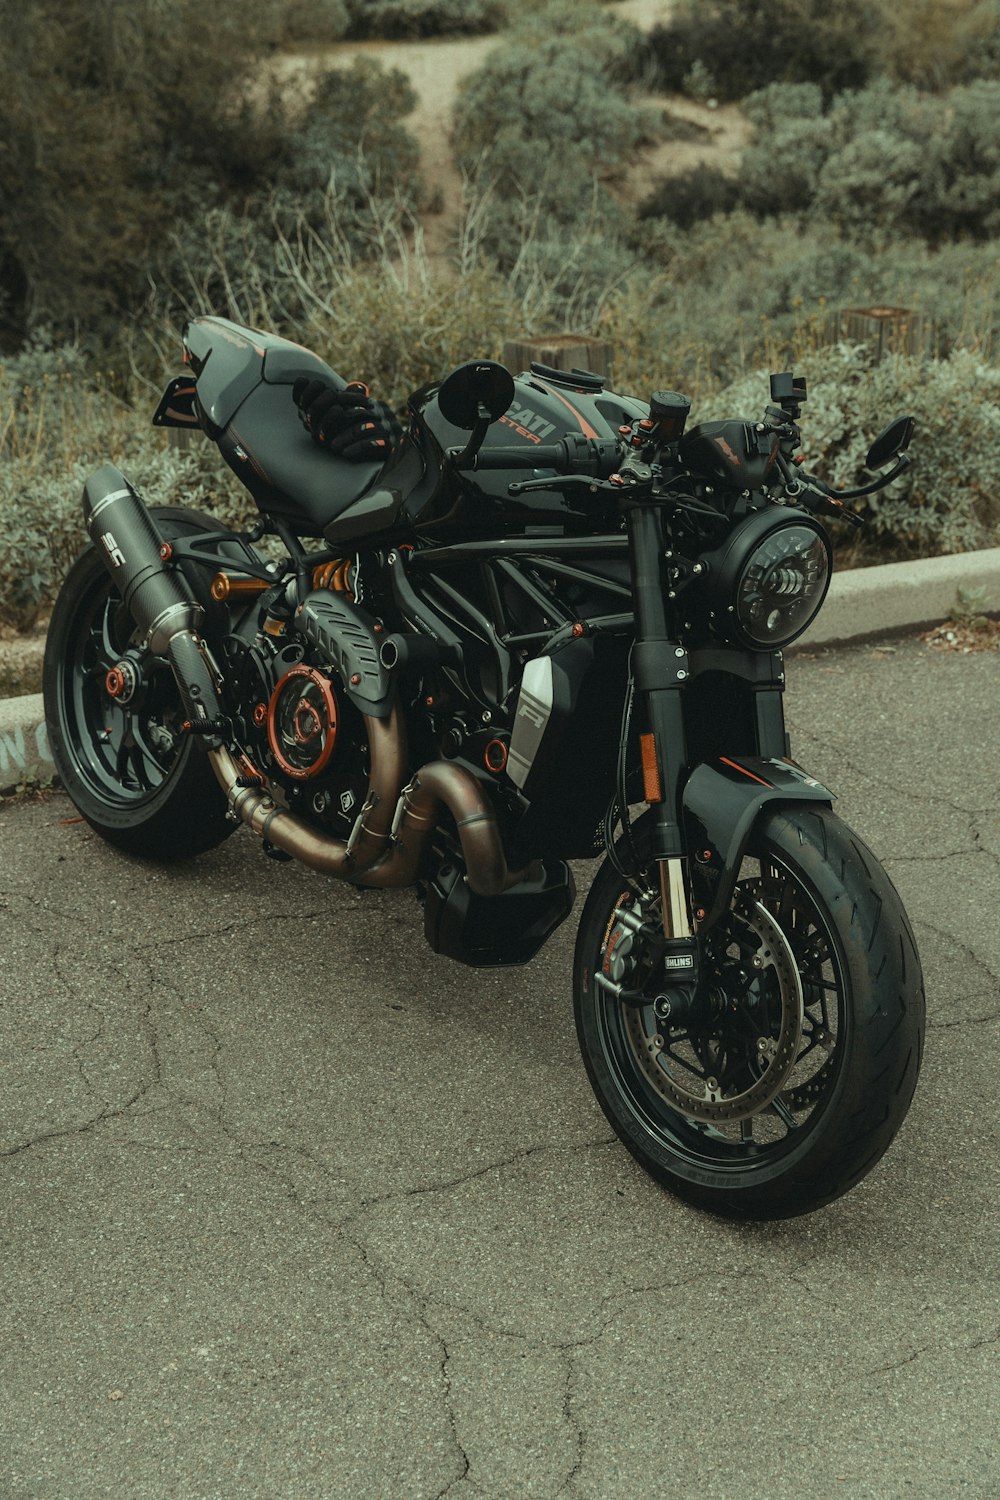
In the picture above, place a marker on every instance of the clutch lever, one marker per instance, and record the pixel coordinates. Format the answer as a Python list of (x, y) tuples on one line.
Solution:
[(820, 500)]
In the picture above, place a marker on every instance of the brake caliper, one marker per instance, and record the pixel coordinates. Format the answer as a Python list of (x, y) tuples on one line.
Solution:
[(639, 966)]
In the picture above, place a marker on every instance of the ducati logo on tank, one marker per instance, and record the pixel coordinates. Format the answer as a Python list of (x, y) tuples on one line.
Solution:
[(527, 423)]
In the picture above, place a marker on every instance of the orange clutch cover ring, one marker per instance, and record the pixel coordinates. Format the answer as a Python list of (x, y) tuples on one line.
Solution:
[(302, 722)]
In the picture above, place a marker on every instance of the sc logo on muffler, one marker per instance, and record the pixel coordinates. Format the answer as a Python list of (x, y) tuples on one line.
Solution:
[(111, 547)]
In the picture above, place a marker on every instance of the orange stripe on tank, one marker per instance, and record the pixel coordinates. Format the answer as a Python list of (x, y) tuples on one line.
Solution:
[(585, 426)]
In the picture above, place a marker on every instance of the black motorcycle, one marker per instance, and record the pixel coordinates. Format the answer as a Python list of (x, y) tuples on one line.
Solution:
[(460, 669)]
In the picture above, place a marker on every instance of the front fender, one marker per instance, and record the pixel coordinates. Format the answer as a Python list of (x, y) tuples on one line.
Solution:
[(720, 804)]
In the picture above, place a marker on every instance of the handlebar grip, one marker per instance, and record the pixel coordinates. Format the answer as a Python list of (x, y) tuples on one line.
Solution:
[(524, 456), (573, 454)]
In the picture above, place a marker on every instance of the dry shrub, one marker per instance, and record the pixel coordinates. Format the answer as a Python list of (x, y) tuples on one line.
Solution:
[(938, 43)]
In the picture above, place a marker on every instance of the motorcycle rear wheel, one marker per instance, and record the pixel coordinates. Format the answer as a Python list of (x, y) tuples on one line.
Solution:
[(858, 1049), (139, 782)]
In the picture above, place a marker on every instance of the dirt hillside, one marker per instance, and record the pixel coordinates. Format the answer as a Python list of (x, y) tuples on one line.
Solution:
[(437, 68)]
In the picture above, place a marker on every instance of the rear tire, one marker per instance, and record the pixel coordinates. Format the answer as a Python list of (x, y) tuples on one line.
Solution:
[(857, 1056), (141, 783)]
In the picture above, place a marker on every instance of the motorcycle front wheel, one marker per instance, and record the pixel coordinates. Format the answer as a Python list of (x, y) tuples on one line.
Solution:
[(139, 781), (786, 1080)]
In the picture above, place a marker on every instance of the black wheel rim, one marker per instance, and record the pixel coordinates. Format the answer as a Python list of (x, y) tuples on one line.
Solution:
[(123, 752), (769, 1138)]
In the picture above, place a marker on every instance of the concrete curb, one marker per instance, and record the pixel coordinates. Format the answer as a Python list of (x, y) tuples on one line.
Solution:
[(863, 603), (25, 757), (868, 602)]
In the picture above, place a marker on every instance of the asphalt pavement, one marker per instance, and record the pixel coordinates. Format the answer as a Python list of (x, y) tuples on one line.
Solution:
[(291, 1207)]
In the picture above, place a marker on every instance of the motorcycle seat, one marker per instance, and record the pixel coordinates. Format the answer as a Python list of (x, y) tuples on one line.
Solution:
[(244, 380)]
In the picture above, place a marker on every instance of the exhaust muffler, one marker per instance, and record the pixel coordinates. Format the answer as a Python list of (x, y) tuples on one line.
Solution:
[(156, 596)]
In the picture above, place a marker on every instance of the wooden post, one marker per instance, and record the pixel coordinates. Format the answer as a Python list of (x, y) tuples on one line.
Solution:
[(561, 351), (890, 330)]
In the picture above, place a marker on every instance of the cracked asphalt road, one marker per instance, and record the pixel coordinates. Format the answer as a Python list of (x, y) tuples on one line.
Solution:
[(291, 1207)]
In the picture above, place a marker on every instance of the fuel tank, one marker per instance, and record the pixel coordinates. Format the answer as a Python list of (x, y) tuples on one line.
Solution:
[(548, 405)]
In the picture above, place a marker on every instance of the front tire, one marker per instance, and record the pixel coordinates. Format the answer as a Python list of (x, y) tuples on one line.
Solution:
[(141, 783), (857, 1034)]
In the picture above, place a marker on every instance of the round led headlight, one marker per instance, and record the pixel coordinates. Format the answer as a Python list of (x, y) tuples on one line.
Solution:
[(768, 580)]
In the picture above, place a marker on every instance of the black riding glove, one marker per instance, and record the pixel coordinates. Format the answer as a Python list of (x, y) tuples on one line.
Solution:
[(349, 423)]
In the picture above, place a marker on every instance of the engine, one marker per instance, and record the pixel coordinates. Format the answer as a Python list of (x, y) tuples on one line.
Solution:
[(299, 729)]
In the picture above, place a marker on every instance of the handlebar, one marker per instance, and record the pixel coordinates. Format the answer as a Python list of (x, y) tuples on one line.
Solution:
[(821, 498), (591, 462), (573, 454)]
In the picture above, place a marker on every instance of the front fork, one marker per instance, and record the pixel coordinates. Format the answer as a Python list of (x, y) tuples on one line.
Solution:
[(661, 669)]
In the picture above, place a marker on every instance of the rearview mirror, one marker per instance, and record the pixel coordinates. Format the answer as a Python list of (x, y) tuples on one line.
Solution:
[(891, 441), (479, 391)]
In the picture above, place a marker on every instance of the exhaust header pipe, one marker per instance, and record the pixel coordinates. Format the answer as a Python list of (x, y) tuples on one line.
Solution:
[(389, 838), (157, 597)]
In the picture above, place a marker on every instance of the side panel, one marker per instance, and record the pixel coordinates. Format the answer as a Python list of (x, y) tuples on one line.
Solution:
[(565, 747)]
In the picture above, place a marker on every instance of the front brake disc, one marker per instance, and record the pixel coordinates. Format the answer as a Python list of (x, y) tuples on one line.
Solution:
[(683, 1083)]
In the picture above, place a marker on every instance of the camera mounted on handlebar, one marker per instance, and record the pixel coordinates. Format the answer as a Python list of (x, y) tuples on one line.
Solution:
[(788, 392)]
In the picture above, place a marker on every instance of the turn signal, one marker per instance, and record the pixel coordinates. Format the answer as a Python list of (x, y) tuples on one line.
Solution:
[(652, 786)]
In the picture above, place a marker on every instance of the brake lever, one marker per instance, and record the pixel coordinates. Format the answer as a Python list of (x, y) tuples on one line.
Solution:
[(558, 482)]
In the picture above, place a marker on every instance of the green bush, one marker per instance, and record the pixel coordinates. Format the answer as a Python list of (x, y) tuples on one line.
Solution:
[(551, 105), (537, 116), (962, 195), (688, 198), (298, 22), (419, 18), (746, 44), (735, 292), (102, 110), (346, 171), (542, 130), (936, 44), (619, 46), (728, 294), (888, 160), (949, 500), (789, 123), (885, 162), (172, 128), (351, 137)]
